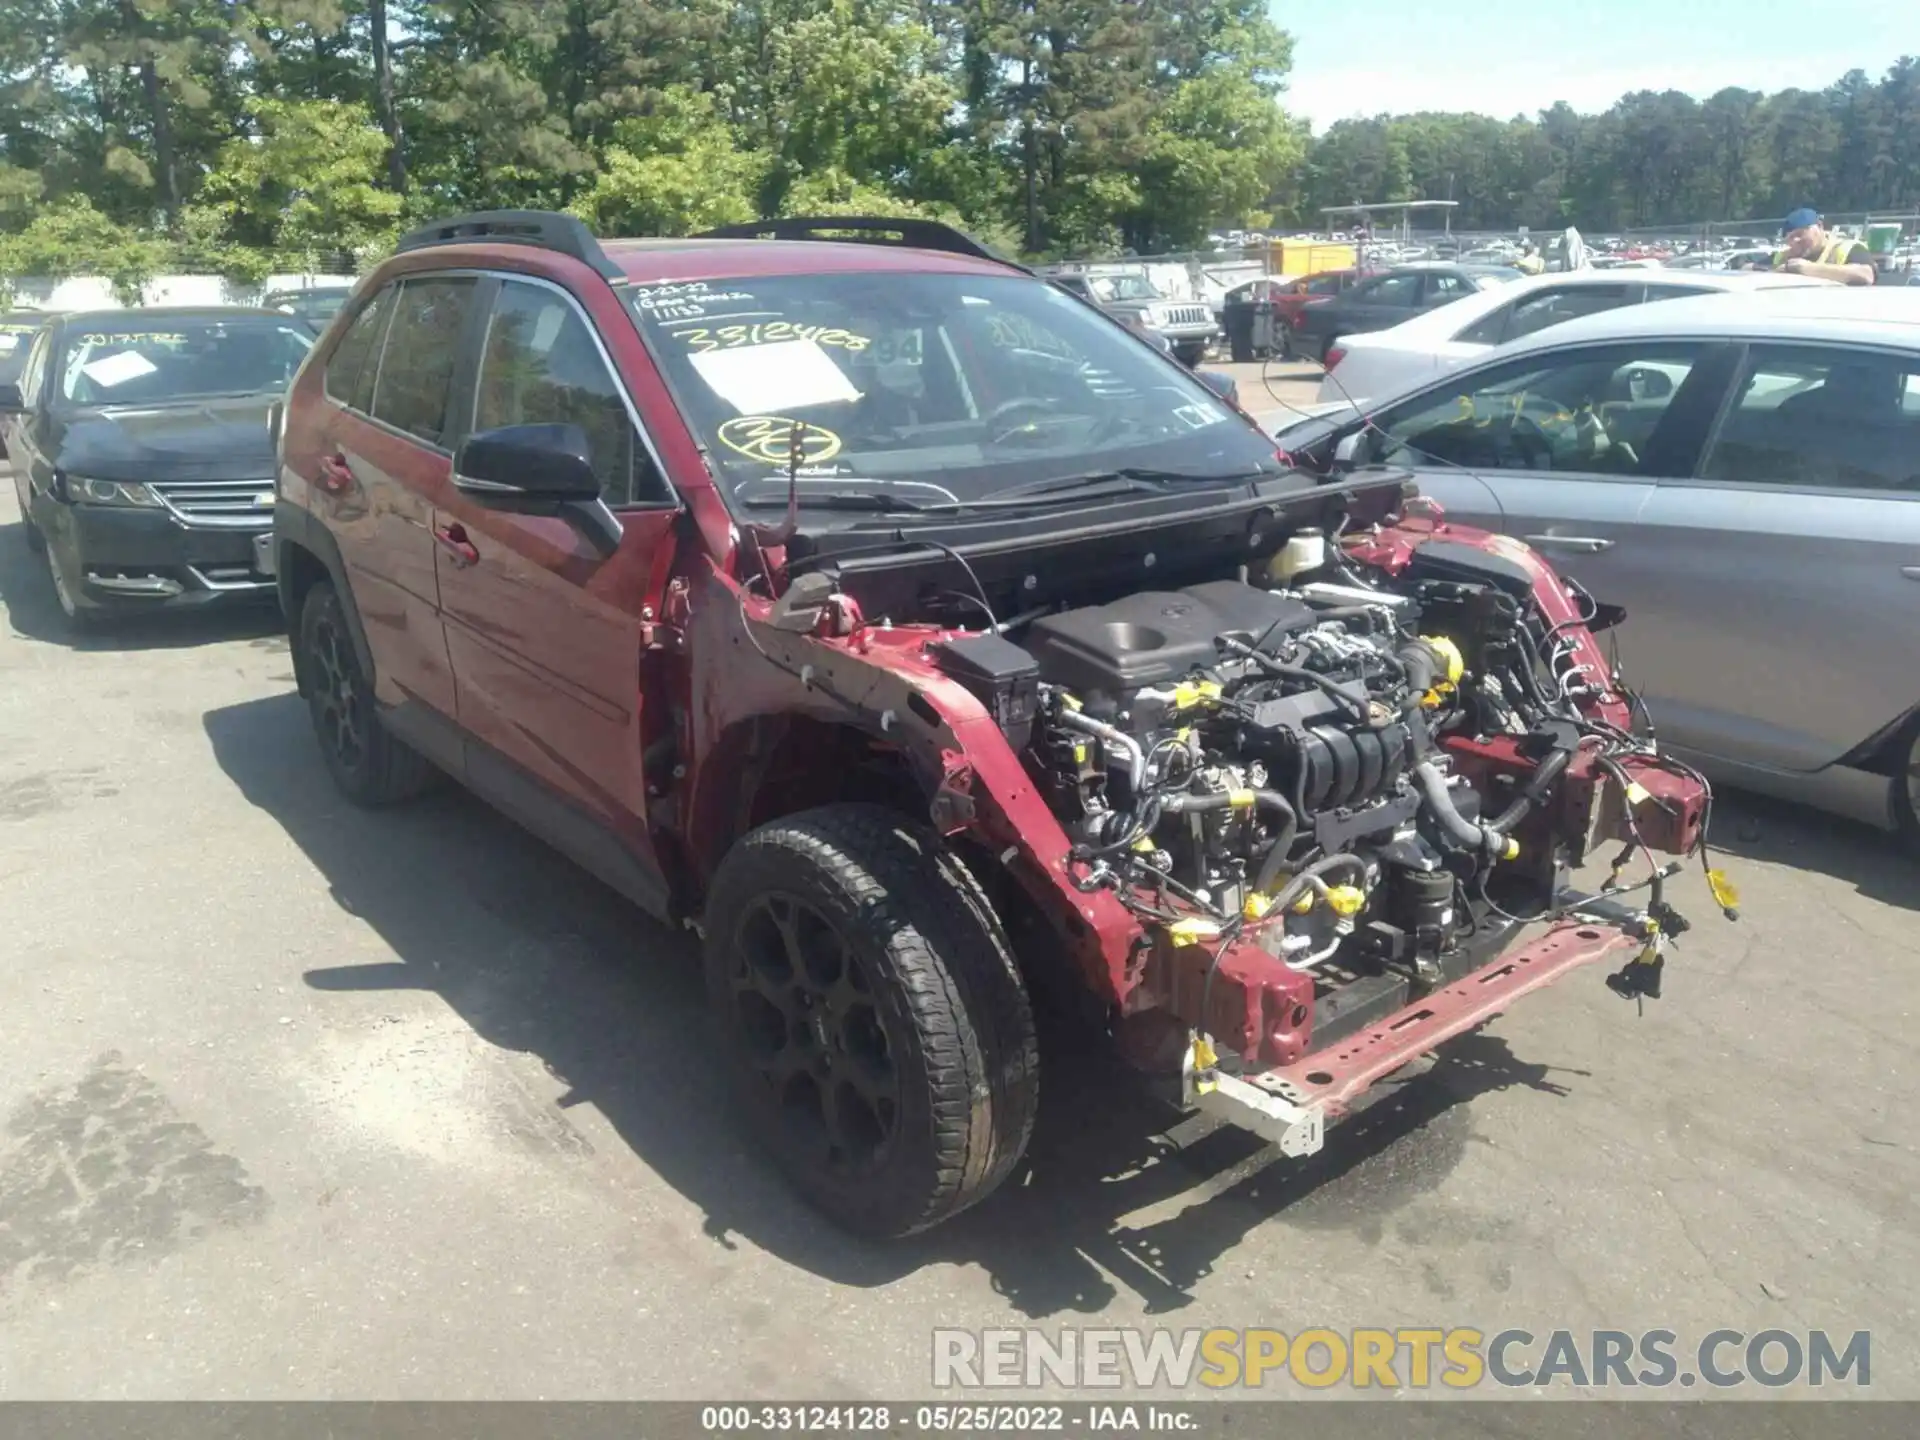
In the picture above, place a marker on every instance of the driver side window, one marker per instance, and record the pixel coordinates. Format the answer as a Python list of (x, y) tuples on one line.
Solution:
[(1597, 411)]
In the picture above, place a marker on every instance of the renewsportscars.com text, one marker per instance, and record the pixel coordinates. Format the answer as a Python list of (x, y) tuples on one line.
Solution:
[(1403, 1358)]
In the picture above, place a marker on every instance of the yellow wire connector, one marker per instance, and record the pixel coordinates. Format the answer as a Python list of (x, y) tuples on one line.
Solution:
[(1456, 667), (1189, 693), (1192, 930), (1240, 799), (1257, 906), (1346, 900)]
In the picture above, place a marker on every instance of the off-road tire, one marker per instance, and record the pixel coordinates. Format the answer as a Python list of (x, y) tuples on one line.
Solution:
[(1904, 791), (940, 980), (375, 769)]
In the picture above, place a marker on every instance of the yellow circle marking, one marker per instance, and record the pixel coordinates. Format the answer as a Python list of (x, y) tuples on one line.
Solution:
[(769, 439)]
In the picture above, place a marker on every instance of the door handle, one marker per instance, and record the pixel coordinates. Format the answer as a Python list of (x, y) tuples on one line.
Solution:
[(336, 475), (453, 540), (1912, 572), (1579, 544)]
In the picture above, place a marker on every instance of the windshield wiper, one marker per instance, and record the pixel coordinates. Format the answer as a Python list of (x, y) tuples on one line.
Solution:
[(883, 500), (1063, 490)]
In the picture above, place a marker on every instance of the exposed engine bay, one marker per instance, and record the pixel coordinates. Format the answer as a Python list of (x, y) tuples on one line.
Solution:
[(1332, 772)]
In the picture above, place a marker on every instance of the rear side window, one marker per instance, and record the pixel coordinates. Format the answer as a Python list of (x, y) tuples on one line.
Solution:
[(416, 371), (1807, 417), (1542, 310), (541, 366), (356, 359)]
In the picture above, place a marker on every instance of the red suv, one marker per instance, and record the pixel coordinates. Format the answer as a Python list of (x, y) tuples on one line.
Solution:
[(924, 640)]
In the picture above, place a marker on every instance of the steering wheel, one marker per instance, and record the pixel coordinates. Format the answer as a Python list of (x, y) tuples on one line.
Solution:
[(998, 420)]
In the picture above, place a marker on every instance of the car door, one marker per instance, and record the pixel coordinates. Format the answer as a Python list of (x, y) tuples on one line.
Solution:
[(26, 440), (1374, 304), (1442, 287), (1562, 449), (1791, 562), (381, 462), (547, 637)]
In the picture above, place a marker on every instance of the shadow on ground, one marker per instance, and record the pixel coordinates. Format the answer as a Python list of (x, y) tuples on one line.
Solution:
[(538, 957), (1758, 827), (32, 611)]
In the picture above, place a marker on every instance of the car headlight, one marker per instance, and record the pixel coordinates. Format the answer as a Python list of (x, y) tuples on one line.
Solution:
[(89, 491)]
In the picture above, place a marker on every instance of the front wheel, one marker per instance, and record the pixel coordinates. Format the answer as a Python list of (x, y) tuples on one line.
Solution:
[(369, 765), (1905, 789), (880, 1038)]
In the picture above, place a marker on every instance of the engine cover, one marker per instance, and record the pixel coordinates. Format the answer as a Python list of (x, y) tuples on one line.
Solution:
[(1155, 637)]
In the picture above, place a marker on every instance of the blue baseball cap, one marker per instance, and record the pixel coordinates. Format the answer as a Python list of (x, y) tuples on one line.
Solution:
[(1799, 220)]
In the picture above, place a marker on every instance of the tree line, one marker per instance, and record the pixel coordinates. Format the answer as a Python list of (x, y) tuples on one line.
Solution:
[(245, 136), (241, 135), (1653, 160)]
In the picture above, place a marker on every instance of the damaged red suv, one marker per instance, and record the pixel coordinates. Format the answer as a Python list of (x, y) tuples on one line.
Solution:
[(925, 641)]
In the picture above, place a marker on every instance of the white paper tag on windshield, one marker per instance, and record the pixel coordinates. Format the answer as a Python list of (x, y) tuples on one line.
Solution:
[(118, 369), (767, 379)]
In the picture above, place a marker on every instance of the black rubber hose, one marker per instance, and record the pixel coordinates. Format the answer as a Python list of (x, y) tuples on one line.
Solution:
[(1533, 791), (1276, 857), (1422, 665), (1273, 667)]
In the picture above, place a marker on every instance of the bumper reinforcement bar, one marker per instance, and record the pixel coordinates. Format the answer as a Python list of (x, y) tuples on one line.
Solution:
[(1292, 1105)]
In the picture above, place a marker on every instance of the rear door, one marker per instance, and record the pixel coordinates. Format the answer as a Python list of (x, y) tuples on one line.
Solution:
[(1792, 562), (546, 636), (1563, 449), (1374, 304), (383, 462), (1442, 287)]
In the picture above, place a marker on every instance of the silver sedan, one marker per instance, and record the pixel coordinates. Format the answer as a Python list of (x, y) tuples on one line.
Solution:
[(1741, 473)]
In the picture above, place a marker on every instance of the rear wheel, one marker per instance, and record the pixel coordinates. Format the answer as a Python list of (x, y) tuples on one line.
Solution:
[(369, 765), (881, 1041), (1906, 788)]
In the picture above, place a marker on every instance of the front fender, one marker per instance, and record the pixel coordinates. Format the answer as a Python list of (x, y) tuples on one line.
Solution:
[(881, 683)]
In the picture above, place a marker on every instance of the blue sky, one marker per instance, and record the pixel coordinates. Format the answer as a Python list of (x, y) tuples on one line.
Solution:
[(1507, 57)]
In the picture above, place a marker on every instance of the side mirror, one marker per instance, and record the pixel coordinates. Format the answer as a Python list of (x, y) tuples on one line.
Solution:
[(11, 402), (538, 470), (1348, 450)]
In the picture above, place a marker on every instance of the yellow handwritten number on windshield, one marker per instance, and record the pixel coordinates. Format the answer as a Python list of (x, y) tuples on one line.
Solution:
[(769, 439)]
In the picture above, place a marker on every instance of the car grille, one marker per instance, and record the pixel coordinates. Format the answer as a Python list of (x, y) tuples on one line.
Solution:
[(1188, 315), (233, 503)]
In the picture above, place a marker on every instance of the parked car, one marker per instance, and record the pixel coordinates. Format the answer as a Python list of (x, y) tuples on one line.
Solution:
[(1741, 472), (1189, 325), (316, 304), (1388, 298), (1380, 363), (17, 329), (141, 454), (1283, 296), (798, 586)]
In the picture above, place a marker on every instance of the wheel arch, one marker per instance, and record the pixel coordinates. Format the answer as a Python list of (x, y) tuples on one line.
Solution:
[(305, 553)]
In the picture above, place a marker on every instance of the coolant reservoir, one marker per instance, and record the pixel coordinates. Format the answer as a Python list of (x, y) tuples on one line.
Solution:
[(1305, 550)]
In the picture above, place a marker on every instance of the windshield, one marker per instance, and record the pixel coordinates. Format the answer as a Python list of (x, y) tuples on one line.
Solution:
[(1125, 287), (16, 339), (928, 390), (136, 361)]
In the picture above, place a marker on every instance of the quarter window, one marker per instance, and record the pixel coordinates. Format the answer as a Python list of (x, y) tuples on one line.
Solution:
[(540, 366), (1808, 417), (416, 370)]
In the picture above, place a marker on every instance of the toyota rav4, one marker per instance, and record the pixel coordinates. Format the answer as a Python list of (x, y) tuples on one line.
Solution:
[(925, 642)]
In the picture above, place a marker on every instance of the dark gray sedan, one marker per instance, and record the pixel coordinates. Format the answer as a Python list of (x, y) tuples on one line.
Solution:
[(1385, 299)]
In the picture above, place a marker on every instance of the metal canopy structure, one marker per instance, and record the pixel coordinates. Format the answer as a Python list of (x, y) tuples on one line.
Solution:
[(1404, 208)]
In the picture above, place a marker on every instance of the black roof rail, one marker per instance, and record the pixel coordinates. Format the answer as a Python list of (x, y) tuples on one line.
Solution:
[(914, 233), (546, 229)]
